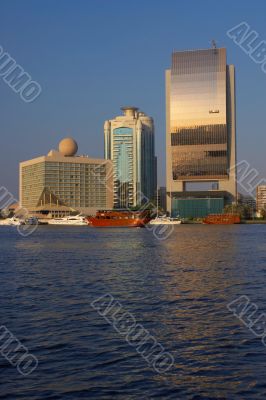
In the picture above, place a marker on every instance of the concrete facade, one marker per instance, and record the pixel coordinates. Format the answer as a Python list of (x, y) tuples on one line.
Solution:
[(56, 182), (261, 198)]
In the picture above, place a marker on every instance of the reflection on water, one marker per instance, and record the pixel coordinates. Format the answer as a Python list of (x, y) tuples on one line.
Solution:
[(177, 288)]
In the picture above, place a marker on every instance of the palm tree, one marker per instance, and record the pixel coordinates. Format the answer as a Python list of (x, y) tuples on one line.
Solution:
[(245, 211)]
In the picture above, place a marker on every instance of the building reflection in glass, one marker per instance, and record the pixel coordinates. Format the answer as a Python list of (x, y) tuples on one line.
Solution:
[(198, 114), (200, 122)]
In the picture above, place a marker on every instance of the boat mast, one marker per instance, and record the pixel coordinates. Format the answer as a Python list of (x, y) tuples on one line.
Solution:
[(157, 203), (171, 194)]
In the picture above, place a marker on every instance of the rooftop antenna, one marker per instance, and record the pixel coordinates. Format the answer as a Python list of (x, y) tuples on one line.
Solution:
[(214, 44)]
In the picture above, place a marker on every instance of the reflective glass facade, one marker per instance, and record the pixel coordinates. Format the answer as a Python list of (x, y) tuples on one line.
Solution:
[(123, 166), (129, 143), (198, 115), (197, 208)]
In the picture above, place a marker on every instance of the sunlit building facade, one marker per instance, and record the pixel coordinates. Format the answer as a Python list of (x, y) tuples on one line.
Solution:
[(200, 131), (129, 143), (62, 182), (261, 199)]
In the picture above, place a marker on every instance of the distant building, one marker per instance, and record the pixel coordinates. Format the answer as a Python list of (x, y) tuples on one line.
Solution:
[(129, 143), (162, 198), (61, 182), (249, 201), (261, 198), (200, 132)]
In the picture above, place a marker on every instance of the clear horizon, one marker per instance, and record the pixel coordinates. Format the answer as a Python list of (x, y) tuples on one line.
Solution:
[(91, 58)]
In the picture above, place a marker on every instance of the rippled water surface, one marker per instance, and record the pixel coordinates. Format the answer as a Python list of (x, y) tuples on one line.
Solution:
[(178, 289)]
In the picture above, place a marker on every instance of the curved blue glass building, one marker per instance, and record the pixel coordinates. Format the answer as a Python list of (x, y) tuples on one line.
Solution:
[(129, 143)]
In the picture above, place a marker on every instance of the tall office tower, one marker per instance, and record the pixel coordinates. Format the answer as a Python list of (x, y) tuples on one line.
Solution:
[(62, 182), (261, 198), (200, 132), (129, 143)]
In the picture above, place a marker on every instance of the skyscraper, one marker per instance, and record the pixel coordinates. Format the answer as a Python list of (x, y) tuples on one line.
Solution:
[(129, 143), (200, 132)]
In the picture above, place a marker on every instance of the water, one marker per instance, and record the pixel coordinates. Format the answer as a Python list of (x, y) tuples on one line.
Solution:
[(178, 289)]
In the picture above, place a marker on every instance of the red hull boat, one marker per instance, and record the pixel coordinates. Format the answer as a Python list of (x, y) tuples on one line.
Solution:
[(119, 219), (222, 219)]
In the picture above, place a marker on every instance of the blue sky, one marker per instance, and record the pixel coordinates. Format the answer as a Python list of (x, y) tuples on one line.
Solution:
[(92, 57)]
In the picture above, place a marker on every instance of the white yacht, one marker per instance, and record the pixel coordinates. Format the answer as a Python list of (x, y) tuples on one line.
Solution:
[(11, 221), (70, 220), (164, 220)]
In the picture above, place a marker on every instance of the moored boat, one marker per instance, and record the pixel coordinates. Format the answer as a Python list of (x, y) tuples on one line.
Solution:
[(11, 221), (119, 219), (164, 220), (222, 219), (34, 221), (70, 220)]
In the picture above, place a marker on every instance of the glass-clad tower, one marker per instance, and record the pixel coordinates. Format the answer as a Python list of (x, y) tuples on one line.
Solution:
[(200, 131), (129, 143)]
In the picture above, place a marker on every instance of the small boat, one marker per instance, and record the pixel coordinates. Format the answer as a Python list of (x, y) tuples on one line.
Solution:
[(77, 220), (11, 221), (34, 221), (164, 220), (119, 219), (222, 219)]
